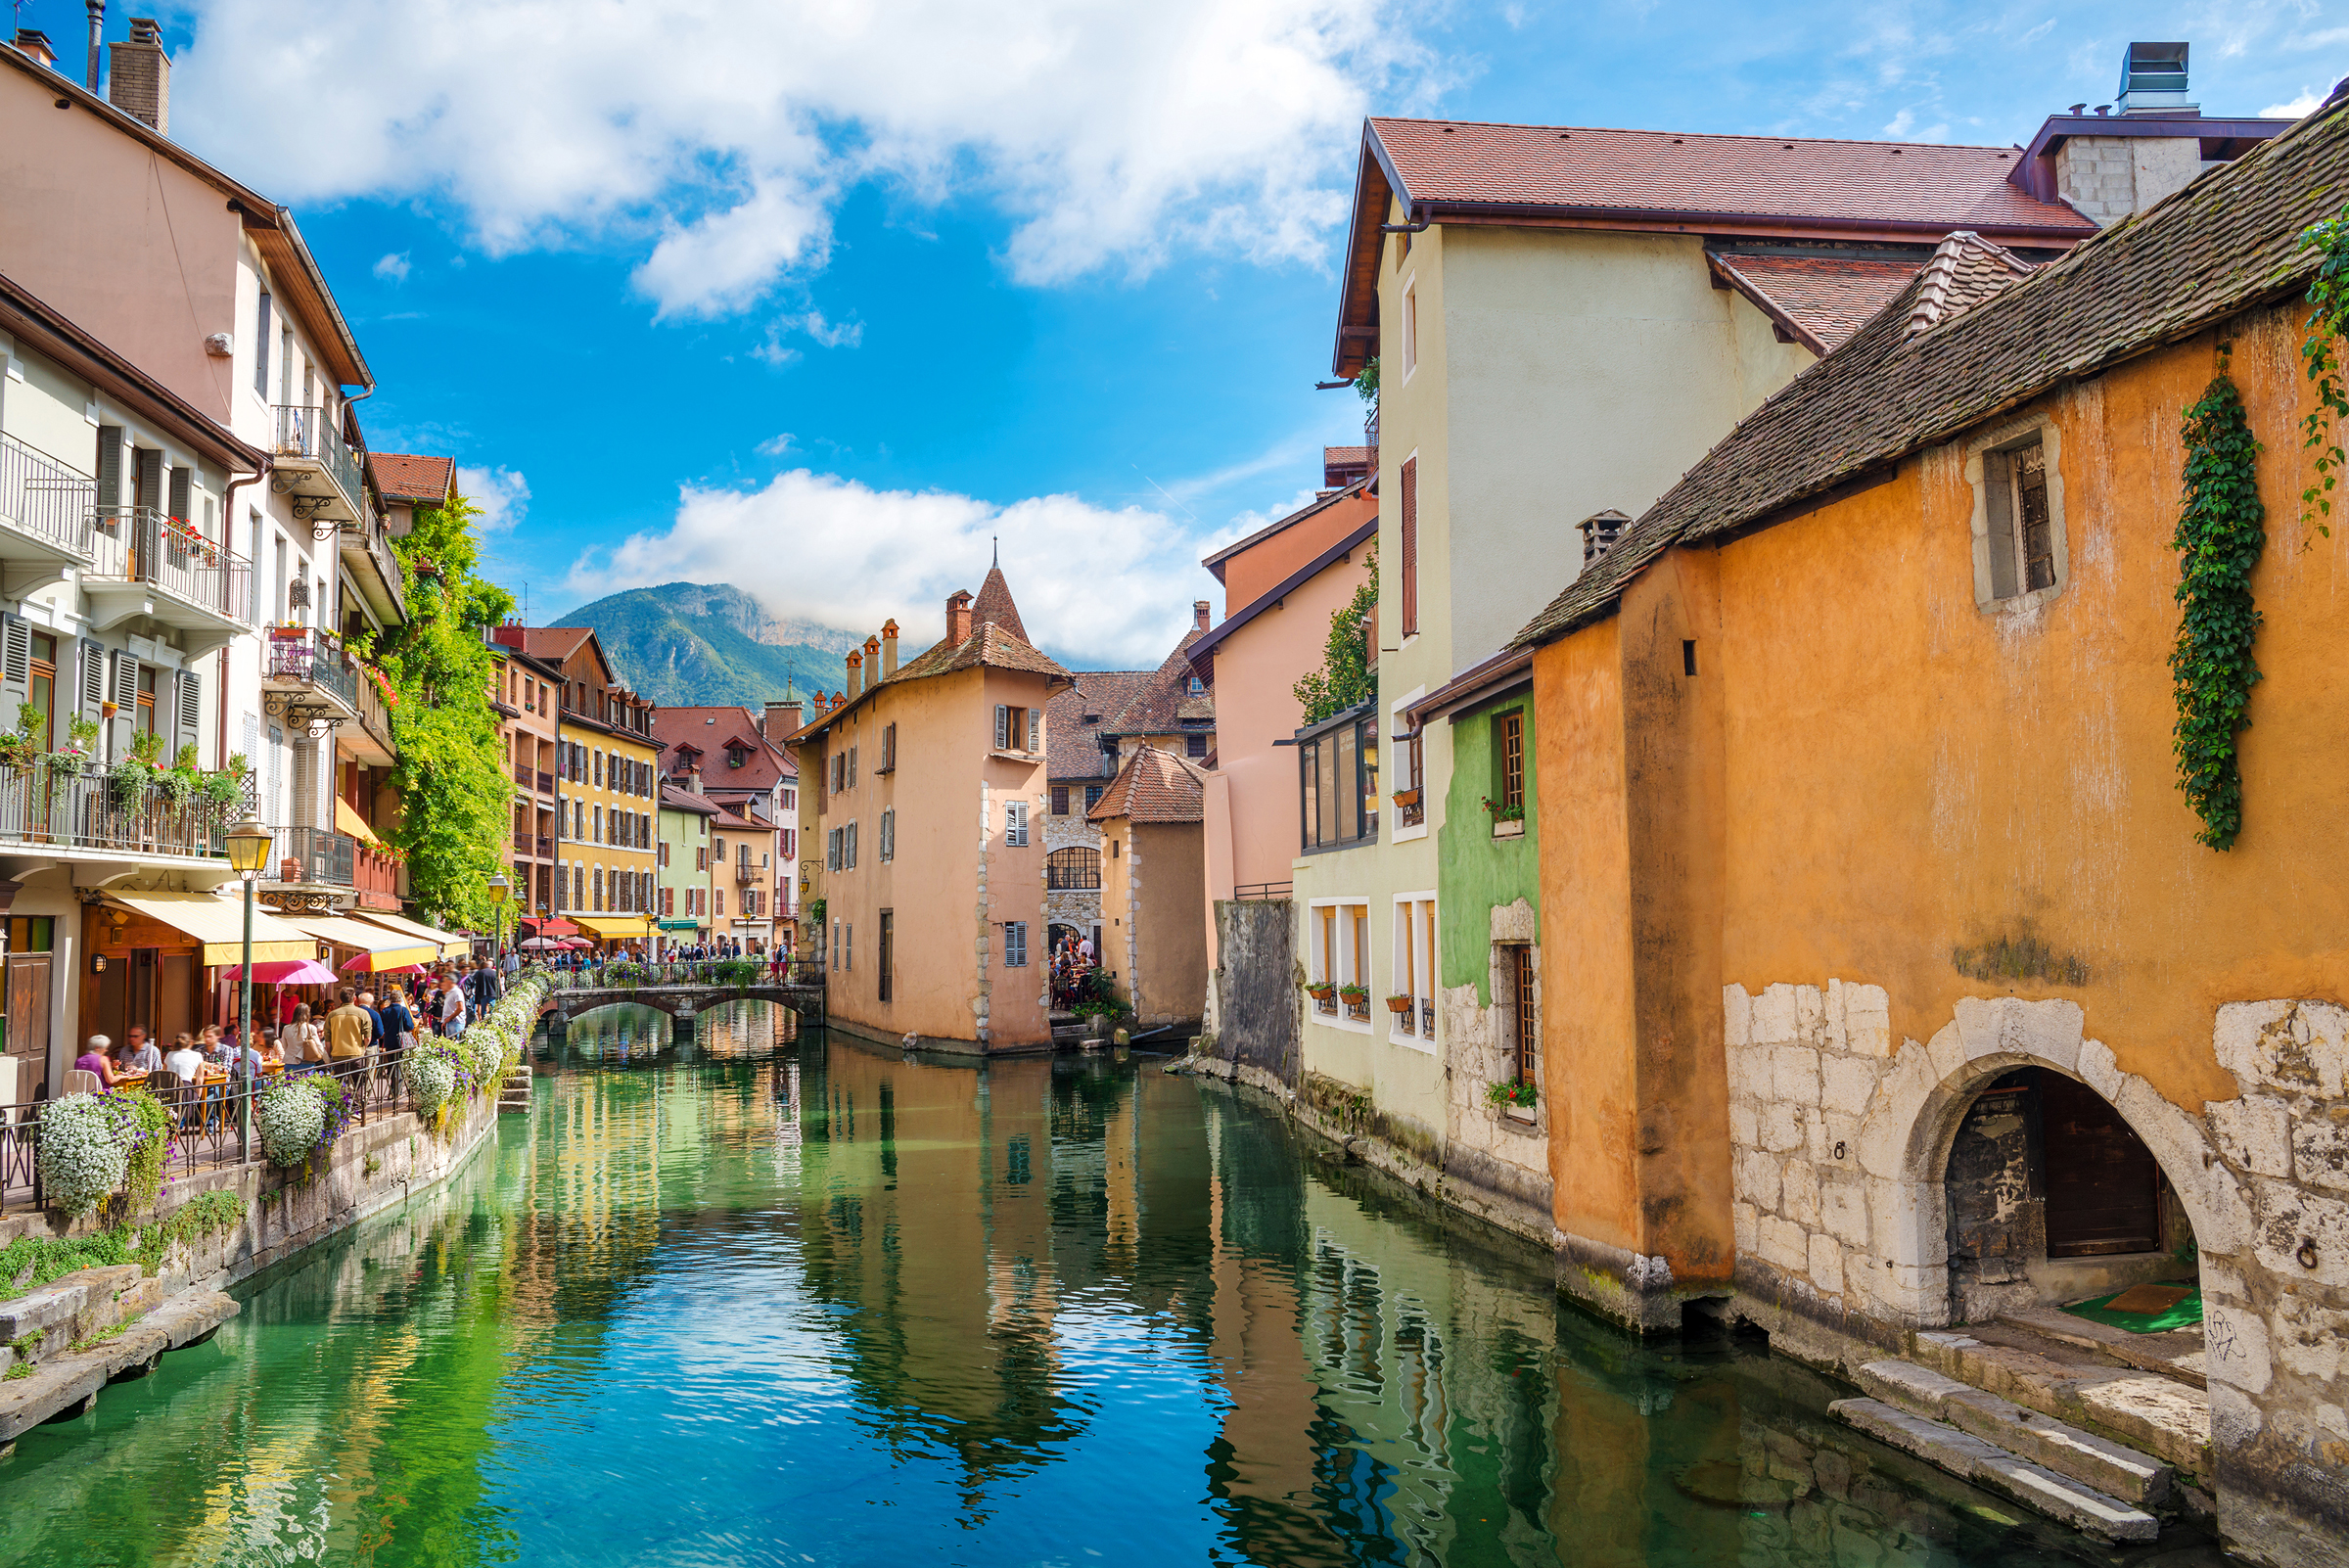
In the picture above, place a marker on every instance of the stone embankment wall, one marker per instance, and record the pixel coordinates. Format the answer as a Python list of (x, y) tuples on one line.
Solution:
[(1254, 1010), (1841, 1207), (81, 1331), (1501, 1154)]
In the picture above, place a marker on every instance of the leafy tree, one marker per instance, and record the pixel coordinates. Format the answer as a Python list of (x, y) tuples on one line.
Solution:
[(1346, 679), (455, 805)]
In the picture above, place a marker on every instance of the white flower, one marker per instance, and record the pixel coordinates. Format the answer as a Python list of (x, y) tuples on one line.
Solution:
[(83, 1157), (430, 1079), (291, 1119)]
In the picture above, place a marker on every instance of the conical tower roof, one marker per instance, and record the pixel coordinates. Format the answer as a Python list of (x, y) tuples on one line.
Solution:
[(993, 605)]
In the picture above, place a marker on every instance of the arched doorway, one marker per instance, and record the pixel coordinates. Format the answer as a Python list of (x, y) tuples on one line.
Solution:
[(2052, 1197)]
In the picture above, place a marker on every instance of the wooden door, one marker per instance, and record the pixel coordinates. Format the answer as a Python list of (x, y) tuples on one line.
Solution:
[(2102, 1185), (29, 1018)]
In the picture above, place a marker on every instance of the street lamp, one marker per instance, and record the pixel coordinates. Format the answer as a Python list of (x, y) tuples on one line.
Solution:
[(500, 890), (247, 852)]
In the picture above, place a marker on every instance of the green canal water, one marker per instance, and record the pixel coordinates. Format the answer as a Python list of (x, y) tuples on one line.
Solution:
[(730, 1301)]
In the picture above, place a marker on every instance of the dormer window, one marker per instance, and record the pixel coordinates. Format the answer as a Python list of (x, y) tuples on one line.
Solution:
[(1198, 687)]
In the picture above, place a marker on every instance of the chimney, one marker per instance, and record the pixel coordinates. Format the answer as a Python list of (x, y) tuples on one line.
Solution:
[(140, 83), (1601, 530), (508, 635), (837, 702), (782, 720), (856, 673), (888, 649), (958, 618), (97, 8), (872, 660), (693, 779), (34, 42), (1198, 614), (2153, 80)]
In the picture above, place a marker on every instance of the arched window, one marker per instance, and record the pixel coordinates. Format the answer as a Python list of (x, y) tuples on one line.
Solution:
[(1073, 869)]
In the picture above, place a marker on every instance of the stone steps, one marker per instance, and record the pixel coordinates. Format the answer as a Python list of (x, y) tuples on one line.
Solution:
[(2176, 1354), (2110, 1467), (1995, 1469), (514, 1092), (2153, 1412), (63, 1380)]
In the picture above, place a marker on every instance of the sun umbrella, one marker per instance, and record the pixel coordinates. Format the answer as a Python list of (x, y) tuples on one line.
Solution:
[(541, 945), (285, 971), (578, 944)]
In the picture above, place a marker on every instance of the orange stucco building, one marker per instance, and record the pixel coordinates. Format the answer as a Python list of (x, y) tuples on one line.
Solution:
[(925, 789), (1860, 821)]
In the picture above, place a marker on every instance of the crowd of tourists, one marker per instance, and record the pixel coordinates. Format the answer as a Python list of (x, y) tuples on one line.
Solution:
[(1072, 965)]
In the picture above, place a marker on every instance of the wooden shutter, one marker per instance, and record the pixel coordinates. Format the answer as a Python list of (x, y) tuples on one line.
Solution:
[(1998, 505), (1002, 727), (260, 348), (180, 493), (93, 677), (191, 712), (147, 464), (1409, 529), (110, 464), (16, 669), (1036, 729)]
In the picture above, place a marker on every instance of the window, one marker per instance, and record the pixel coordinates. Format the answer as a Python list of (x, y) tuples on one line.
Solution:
[(1195, 745), (260, 350), (1508, 760), (599, 769), (1015, 944), (1410, 328), (835, 947), (1198, 687), (888, 756), (720, 895), (1008, 724), (1093, 796), (1341, 957), (849, 846), (1073, 869), (1518, 964), (2018, 525), (40, 681), (1015, 825), (889, 956), (852, 767), (889, 834), (1408, 526), (847, 946), (1060, 799), (1415, 970), (1338, 784), (598, 890)]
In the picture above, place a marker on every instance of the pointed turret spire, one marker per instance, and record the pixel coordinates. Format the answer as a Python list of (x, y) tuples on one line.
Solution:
[(994, 603)]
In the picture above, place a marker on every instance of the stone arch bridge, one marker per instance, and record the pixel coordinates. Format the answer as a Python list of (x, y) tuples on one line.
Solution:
[(683, 1000)]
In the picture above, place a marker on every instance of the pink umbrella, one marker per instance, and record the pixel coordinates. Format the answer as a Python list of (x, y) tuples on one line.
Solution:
[(285, 971)]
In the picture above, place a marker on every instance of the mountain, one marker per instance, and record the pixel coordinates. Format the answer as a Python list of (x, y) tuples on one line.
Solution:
[(688, 644)]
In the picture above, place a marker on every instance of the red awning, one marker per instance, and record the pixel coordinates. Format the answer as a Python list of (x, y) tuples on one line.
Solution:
[(548, 928)]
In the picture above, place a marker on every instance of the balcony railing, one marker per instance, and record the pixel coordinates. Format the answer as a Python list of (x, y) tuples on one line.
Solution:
[(315, 856), (44, 497), (746, 873), (63, 806), (140, 544), (373, 872), (546, 782), (315, 658), (310, 432), (523, 775)]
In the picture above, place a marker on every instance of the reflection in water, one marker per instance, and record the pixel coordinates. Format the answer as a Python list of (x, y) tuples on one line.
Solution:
[(719, 1302)]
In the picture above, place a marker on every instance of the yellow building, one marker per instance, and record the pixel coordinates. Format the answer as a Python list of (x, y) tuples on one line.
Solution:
[(608, 789)]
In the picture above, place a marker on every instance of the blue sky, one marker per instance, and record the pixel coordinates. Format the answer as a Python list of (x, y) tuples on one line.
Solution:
[(820, 299)]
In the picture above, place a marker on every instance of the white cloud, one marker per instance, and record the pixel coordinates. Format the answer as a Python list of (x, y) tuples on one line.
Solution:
[(502, 495), (1106, 588), (835, 333), (2306, 103), (394, 267), (718, 139), (776, 446)]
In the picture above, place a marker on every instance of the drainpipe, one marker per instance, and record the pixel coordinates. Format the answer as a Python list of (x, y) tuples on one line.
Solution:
[(97, 38), (228, 533)]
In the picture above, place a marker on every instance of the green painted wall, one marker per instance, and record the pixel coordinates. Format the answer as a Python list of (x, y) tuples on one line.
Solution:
[(1477, 872)]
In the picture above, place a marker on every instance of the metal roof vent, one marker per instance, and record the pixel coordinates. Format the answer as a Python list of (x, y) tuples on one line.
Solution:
[(2153, 80), (1601, 530)]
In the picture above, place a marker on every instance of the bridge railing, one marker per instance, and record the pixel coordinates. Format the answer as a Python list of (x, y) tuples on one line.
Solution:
[(715, 973)]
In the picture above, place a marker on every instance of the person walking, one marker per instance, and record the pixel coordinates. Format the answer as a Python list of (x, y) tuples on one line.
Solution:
[(350, 1028), (453, 1008), (400, 1027), (302, 1041)]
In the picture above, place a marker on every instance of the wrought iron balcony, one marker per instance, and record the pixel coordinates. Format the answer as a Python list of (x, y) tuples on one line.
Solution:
[(74, 806), (313, 856), (44, 510), (146, 563), (315, 468), (746, 873), (371, 741), (307, 659)]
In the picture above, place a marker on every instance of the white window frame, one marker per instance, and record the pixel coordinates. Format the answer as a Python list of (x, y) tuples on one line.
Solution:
[(1399, 771), (1338, 967), (1015, 957), (1409, 333), (1414, 960), (1015, 825), (889, 833)]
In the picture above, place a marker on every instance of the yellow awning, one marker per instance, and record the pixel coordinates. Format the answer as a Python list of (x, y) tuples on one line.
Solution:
[(390, 950), (348, 821), (444, 945), (623, 927), (219, 925)]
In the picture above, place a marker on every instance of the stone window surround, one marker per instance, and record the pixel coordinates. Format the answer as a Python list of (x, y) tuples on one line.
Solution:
[(2007, 434), (1314, 1014), (1506, 939), (1848, 1139)]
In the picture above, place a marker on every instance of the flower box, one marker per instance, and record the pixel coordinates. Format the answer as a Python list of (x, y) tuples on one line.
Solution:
[(1399, 1004)]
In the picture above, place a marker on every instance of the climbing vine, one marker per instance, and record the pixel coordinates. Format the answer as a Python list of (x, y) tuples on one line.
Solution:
[(2328, 318), (1346, 679), (2219, 539)]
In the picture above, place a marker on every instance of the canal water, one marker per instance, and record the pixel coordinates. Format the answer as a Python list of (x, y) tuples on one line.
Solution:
[(730, 1299)]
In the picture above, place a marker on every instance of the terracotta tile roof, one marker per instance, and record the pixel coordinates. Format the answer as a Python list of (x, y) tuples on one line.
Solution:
[(989, 646), (995, 605), (1341, 466), (678, 798), (1823, 300), (1965, 272), (1215, 563), (2225, 244), (1164, 699), (1154, 786), (1072, 747), (1864, 184), (713, 731), (406, 476)]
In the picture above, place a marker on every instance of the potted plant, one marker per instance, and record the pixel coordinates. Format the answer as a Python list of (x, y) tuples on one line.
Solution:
[(1356, 998), (1508, 1095), (1401, 1003), (1324, 994)]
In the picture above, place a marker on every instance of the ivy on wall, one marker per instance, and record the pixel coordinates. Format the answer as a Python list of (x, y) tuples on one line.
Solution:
[(2219, 539), (455, 805), (2327, 319)]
